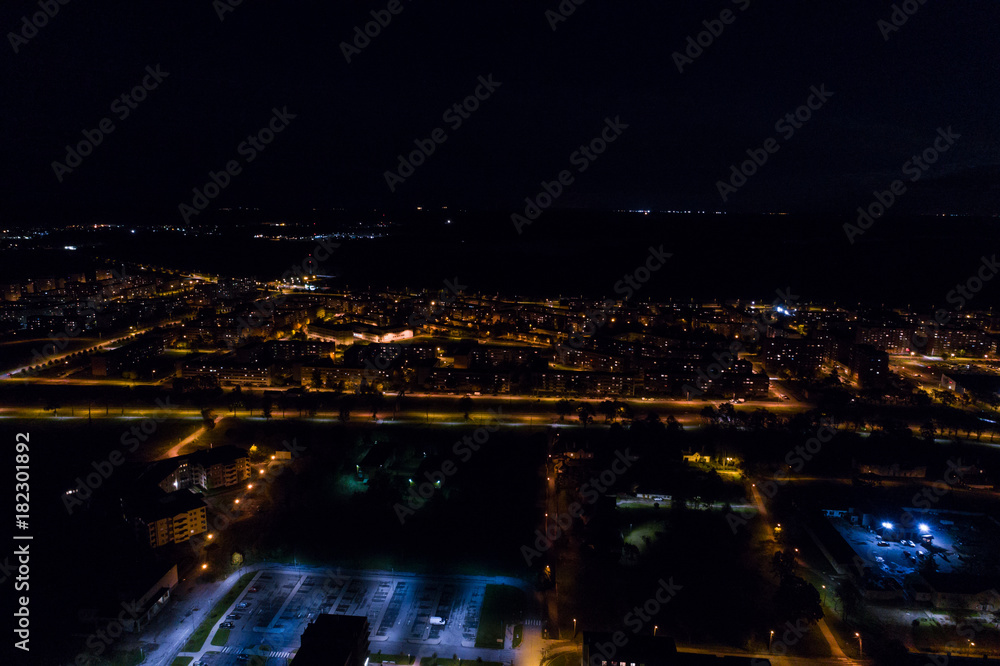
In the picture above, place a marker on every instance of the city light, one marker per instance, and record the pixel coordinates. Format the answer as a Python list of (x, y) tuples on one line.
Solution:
[(887, 526)]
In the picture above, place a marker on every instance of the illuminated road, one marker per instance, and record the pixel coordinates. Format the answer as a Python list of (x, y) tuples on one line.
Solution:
[(775, 659), (102, 345)]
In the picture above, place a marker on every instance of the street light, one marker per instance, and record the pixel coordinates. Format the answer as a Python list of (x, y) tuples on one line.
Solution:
[(769, 639), (574, 626), (861, 647), (655, 627)]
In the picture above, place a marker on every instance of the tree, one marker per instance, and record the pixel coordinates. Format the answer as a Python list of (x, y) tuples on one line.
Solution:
[(850, 597), (564, 408), (236, 398), (345, 408), (465, 406), (375, 401), (783, 564), (928, 430), (266, 407), (947, 398), (796, 599), (673, 425), (586, 412), (609, 409)]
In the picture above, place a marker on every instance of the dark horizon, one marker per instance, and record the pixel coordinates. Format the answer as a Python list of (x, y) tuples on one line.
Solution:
[(551, 91)]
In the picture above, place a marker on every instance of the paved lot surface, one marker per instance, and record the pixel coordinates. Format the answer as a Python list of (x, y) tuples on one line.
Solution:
[(272, 613)]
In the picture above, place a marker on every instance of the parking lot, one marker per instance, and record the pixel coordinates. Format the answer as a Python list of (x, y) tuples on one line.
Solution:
[(891, 559), (407, 614), (961, 543)]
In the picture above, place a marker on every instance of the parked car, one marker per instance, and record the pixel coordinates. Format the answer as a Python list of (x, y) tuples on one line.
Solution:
[(883, 544), (227, 625), (232, 616), (243, 604)]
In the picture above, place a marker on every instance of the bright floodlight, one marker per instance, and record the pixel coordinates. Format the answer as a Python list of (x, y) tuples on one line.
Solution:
[(887, 526), (923, 527)]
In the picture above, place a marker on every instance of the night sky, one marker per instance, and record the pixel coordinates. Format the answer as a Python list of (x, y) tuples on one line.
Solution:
[(606, 60)]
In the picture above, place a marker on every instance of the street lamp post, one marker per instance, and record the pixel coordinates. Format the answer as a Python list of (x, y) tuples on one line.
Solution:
[(655, 627), (769, 639), (861, 647), (574, 624)]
